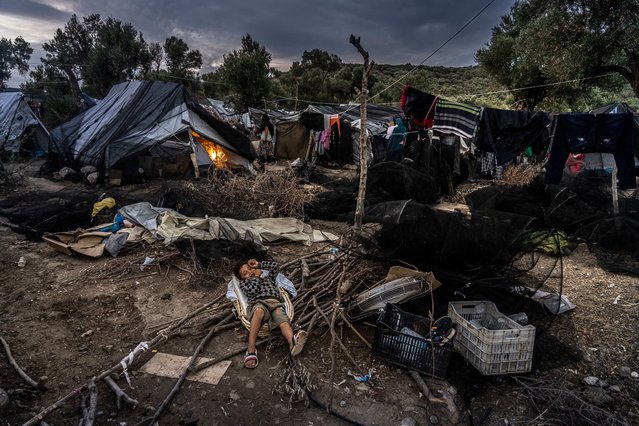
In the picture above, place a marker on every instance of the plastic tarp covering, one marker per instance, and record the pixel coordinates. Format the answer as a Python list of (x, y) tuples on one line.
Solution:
[(377, 116), (225, 112), (134, 117), (16, 117), (171, 226), (419, 233)]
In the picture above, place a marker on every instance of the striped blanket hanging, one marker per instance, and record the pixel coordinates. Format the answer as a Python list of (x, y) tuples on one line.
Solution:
[(456, 117)]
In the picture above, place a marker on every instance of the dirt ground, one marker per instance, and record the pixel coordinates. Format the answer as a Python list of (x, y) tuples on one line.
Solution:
[(67, 319)]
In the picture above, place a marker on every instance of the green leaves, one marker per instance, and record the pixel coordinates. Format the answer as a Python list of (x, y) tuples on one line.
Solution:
[(14, 54)]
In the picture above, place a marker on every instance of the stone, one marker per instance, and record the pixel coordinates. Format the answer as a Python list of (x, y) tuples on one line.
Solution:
[(625, 371), (634, 375), (87, 333), (342, 403), (591, 381), (234, 395), (597, 396), (433, 420), (4, 399), (452, 390), (408, 421), (615, 388), (250, 384), (166, 296)]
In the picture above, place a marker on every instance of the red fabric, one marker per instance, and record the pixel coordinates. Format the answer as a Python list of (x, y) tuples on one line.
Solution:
[(575, 163)]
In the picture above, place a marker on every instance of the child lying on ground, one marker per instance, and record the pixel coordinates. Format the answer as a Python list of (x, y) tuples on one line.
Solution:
[(258, 284)]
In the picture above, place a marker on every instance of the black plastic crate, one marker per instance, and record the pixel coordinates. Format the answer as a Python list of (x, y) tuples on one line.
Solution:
[(406, 350)]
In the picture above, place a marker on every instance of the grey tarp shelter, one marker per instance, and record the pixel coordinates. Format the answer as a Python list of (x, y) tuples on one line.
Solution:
[(145, 118), (20, 127), (292, 129)]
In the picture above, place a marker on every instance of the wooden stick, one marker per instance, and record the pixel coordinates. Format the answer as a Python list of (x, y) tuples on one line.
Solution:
[(89, 412), (120, 395), (169, 398), (221, 358), (20, 371), (161, 335), (352, 327), (348, 354), (446, 400)]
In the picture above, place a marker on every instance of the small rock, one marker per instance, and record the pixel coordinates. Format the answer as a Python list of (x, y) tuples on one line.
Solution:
[(347, 390), (624, 371), (4, 399), (603, 383), (408, 421), (342, 403), (76, 379), (108, 348), (166, 296), (614, 388), (433, 419), (452, 390), (87, 333), (591, 381), (234, 395), (250, 384), (634, 375), (597, 396)]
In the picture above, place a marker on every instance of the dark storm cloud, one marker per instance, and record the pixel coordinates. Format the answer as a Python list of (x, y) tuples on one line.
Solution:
[(400, 33), (405, 32), (31, 9)]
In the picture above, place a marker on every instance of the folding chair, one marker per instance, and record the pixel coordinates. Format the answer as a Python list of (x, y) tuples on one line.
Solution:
[(241, 306)]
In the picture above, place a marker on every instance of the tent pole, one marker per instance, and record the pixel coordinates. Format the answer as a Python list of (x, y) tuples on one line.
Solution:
[(196, 169), (615, 193)]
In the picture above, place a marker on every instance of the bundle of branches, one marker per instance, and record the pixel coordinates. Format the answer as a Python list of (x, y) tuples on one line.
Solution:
[(520, 175), (132, 264), (558, 405), (266, 194)]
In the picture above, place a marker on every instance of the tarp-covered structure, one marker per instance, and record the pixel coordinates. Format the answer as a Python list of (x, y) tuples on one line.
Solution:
[(150, 126), (295, 131), (20, 128), (224, 110)]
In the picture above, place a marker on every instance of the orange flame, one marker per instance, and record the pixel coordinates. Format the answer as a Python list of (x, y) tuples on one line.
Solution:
[(216, 153)]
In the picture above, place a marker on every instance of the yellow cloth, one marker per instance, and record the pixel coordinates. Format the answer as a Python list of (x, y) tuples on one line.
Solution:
[(106, 203)]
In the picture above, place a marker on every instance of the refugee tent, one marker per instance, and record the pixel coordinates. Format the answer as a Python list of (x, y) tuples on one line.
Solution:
[(151, 126), (20, 127), (296, 132), (223, 110)]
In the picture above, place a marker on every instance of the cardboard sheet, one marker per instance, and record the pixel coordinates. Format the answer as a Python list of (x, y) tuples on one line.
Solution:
[(167, 365)]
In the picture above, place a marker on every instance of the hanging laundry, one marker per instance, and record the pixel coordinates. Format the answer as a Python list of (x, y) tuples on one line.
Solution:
[(419, 105), (508, 133), (577, 133), (334, 120), (456, 117), (397, 141)]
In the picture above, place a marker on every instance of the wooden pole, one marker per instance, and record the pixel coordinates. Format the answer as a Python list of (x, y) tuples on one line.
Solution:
[(615, 194), (363, 154)]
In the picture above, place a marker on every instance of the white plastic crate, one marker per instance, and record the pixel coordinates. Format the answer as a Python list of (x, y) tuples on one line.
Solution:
[(506, 350)]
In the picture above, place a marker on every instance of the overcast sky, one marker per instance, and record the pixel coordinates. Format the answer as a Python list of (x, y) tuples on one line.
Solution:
[(392, 32)]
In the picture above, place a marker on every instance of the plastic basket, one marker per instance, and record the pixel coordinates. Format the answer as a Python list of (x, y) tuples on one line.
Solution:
[(399, 340), (506, 350)]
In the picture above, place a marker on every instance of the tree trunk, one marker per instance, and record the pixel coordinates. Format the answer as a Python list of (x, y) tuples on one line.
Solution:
[(363, 154), (75, 85)]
